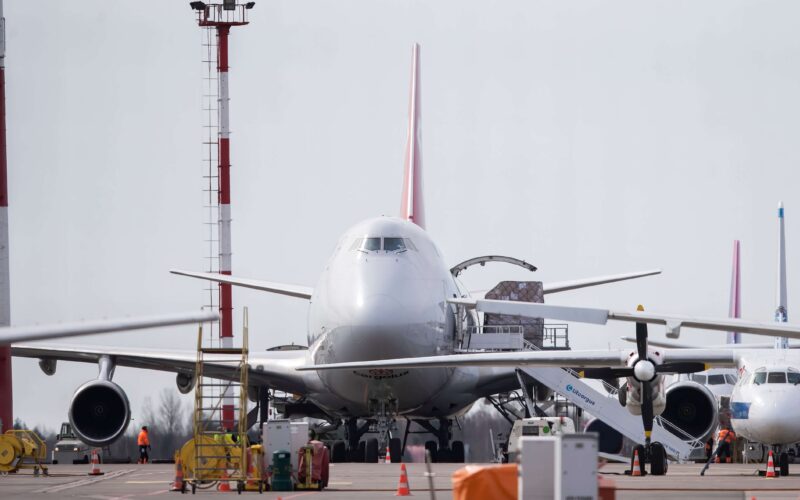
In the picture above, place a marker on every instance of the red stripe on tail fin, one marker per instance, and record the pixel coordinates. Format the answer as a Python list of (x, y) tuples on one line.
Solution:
[(411, 206)]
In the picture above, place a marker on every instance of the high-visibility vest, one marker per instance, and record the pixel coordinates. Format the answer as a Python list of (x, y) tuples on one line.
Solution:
[(726, 436), (143, 440)]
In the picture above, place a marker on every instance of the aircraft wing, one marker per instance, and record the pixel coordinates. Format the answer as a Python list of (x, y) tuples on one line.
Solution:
[(572, 359), (13, 334), (273, 368), (677, 345), (563, 286), (298, 291), (601, 316)]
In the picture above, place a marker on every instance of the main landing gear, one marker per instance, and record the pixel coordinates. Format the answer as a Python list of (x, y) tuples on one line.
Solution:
[(656, 456), (441, 449)]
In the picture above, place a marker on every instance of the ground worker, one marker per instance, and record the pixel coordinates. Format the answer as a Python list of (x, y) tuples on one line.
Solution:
[(725, 438), (144, 445)]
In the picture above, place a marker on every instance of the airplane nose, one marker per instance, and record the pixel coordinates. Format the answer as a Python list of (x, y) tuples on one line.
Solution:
[(774, 426), (378, 329), (377, 311)]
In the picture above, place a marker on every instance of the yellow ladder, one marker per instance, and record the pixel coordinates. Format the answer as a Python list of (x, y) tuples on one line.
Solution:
[(220, 441)]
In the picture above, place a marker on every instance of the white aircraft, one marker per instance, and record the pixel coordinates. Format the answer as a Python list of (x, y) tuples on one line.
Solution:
[(763, 402), (382, 294), (385, 292)]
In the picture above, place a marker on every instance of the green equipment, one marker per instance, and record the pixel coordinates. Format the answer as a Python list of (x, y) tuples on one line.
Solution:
[(281, 471)]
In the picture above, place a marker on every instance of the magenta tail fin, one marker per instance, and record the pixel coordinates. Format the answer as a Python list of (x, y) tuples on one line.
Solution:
[(411, 205)]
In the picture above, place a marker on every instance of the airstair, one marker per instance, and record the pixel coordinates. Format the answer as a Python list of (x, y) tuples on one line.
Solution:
[(220, 439), (605, 406)]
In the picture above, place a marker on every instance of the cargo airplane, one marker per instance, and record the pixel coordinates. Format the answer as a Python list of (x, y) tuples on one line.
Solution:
[(763, 400), (386, 292)]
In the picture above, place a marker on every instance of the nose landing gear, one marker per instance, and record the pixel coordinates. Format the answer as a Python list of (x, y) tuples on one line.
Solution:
[(655, 455)]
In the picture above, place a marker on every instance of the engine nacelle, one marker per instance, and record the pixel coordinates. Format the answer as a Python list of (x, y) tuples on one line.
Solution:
[(633, 396), (99, 412), (609, 439), (185, 382), (691, 407)]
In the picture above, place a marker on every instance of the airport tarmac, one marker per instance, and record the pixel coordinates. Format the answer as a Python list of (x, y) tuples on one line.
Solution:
[(356, 481)]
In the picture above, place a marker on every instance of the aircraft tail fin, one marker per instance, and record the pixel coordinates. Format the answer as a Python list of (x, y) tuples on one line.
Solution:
[(735, 310), (781, 313), (411, 204)]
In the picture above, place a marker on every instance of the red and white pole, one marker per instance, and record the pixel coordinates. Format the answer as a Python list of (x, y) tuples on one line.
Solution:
[(225, 294), (6, 396)]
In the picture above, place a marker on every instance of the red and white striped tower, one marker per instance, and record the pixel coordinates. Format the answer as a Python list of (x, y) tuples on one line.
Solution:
[(223, 17), (6, 397)]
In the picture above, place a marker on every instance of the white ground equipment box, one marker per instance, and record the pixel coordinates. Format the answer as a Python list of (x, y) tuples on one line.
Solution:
[(283, 434), (536, 426), (558, 467)]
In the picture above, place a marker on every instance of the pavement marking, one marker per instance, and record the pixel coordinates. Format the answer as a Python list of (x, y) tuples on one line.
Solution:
[(339, 483), (83, 482)]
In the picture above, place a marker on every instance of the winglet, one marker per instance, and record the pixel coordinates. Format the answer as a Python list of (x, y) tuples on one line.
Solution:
[(735, 310), (411, 206)]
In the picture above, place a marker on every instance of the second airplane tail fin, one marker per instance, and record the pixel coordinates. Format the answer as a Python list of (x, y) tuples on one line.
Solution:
[(411, 204), (735, 310), (781, 313)]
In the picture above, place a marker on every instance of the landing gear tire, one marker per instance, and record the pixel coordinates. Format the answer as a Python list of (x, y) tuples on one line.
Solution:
[(658, 459), (396, 449), (457, 452), (360, 453), (432, 447), (783, 463), (338, 452), (640, 449), (371, 451)]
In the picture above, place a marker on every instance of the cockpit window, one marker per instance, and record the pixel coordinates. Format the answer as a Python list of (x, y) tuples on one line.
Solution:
[(794, 377), (700, 379), (394, 245), (367, 244), (760, 378), (716, 379), (731, 379), (776, 378)]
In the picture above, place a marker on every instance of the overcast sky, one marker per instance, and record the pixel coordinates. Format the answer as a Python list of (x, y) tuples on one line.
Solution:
[(585, 137)]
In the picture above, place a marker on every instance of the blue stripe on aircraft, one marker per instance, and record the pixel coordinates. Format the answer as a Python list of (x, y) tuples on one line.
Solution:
[(740, 411)]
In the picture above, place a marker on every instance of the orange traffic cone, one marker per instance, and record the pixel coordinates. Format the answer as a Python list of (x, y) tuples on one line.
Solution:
[(223, 483), (636, 470), (95, 464), (402, 487), (388, 459), (178, 484), (770, 466)]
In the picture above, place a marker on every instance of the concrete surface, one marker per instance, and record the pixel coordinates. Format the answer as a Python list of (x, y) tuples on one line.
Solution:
[(362, 481)]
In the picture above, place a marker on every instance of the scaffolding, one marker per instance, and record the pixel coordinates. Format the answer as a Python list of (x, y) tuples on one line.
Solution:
[(220, 440)]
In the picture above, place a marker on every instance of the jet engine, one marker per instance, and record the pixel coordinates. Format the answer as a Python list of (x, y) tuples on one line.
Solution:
[(692, 408), (609, 439), (99, 411), (185, 382)]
